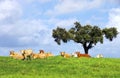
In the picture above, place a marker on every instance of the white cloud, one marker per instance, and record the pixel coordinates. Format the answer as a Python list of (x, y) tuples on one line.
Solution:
[(65, 23), (114, 18), (34, 31), (114, 21), (115, 1), (44, 1), (28, 27), (9, 11), (69, 6), (24, 33), (111, 49), (40, 1)]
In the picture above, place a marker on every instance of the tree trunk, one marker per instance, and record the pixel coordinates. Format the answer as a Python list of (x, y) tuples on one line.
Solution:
[(85, 48)]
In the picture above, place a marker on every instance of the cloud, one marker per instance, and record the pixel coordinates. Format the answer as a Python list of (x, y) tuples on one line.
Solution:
[(111, 49), (40, 1), (44, 1), (65, 23), (114, 18), (25, 33), (115, 1), (9, 11), (70, 6)]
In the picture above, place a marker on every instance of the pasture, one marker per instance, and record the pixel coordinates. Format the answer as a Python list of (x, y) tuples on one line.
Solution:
[(59, 67)]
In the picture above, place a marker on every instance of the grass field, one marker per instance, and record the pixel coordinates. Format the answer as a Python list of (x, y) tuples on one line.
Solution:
[(58, 67)]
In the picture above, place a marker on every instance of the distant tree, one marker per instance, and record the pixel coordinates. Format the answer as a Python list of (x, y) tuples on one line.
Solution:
[(86, 35)]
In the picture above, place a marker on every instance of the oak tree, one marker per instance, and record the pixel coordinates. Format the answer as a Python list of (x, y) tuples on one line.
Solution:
[(86, 35)]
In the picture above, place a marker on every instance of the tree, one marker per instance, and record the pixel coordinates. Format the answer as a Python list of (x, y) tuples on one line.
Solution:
[(86, 35)]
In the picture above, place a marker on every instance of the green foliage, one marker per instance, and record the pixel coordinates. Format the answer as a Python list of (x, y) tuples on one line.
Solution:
[(87, 35), (59, 67), (110, 33), (60, 34)]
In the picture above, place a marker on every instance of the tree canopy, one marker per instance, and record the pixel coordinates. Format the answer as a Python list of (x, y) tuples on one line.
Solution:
[(86, 35)]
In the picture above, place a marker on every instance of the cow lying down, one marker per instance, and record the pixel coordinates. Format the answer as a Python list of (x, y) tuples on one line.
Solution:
[(82, 55), (16, 55), (41, 55), (65, 55)]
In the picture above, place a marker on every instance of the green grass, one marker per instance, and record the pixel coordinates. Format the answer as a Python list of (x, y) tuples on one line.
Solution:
[(58, 67)]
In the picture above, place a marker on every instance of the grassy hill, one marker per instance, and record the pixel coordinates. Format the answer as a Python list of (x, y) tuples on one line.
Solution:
[(58, 67)]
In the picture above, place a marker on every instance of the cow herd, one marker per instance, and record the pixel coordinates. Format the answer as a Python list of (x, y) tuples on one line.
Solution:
[(28, 54)]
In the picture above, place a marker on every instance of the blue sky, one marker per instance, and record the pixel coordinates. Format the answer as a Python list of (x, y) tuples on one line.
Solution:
[(28, 24)]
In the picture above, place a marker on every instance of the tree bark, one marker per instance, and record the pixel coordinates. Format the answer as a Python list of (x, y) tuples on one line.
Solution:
[(85, 48)]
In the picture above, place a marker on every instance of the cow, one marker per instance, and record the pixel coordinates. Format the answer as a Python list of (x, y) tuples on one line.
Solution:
[(82, 55), (27, 53), (16, 55), (49, 54), (99, 56), (41, 51), (74, 54), (65, 55), (35, 56)]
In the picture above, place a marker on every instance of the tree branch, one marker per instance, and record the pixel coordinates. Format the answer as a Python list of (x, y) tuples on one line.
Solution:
[(90, 45)]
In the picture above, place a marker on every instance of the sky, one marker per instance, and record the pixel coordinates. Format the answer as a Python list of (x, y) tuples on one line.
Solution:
[(28, 24)]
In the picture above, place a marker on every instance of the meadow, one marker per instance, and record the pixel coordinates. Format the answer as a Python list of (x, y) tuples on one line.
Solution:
[(59, 67)]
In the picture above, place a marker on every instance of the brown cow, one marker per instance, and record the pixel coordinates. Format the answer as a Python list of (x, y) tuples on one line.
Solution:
[(82, 55)]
